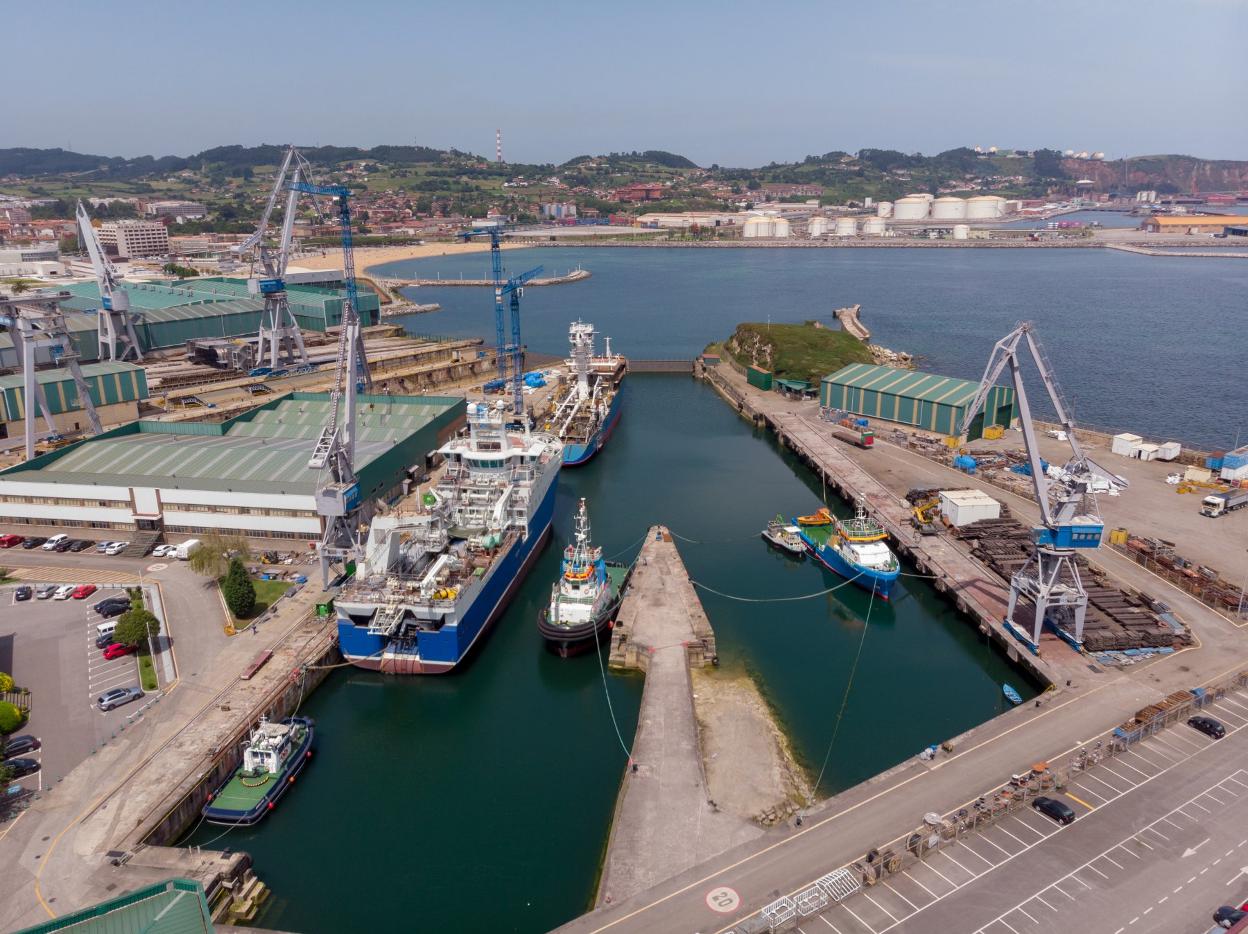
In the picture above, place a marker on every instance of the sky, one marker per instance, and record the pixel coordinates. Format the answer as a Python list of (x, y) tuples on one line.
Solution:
[(719, 81)]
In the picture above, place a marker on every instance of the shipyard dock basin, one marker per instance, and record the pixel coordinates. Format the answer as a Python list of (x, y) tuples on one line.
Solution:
[(711, 736)]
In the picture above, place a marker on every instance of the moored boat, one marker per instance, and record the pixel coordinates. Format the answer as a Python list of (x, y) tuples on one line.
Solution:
[(584, 599), (1011, 695), (274, 755), (785, 536), (587, 412), (853, 548)]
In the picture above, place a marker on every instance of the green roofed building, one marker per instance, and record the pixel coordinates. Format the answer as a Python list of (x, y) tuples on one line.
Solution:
[(177, 906), (171, 313), (912, 397), (248, 475), (116, 391)]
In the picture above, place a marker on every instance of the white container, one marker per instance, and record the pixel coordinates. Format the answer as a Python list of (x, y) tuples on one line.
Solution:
[(1197, 474), (1147, 452), (1125, 444), (1169, 451), (1235, 474), (962, 507)]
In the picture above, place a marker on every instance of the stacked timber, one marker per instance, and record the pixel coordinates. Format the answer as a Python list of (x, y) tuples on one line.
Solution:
[(1116, 619)]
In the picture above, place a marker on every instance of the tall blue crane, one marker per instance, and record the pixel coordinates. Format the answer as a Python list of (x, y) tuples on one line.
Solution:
[(512, 288)]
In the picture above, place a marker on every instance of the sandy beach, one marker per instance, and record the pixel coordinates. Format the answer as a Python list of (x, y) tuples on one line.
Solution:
[(368, 257)]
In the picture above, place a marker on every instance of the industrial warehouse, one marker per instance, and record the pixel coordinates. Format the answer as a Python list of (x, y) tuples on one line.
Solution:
[(248, 475), (912, 397), (116, 391)]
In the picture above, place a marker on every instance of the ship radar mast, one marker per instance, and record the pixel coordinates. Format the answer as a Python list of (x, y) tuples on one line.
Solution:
[(581, 336)]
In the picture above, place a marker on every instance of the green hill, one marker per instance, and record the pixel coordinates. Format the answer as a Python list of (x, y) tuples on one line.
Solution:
[(795, 351)]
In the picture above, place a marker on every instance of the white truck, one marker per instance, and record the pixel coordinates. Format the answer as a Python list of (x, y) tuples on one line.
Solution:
[(183, 551), (1219, 504)]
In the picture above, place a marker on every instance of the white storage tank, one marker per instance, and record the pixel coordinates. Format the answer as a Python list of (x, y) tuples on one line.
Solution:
[(764, 226), (781, 228), (874, 226), (1125, 444), (962, 507), (947, 209), (985, 206), (884, 209), (961, 232), (846, 227), (818, 226), (929, 198), (910, 209)]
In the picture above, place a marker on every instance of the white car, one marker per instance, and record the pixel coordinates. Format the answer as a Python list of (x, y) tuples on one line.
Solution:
[(161, 551), (63, 592), (51, 543), (116, 548)]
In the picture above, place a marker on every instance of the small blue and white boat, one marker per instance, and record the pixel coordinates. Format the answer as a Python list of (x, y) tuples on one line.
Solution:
[(853, 548), (1011, 695)]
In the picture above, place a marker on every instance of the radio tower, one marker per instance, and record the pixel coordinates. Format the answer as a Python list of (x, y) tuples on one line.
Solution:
[(498, 146)]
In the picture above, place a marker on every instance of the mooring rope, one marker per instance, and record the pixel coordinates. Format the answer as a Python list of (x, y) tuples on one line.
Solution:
[(806, 596), (610, 706), (866, 624), (628, 548)]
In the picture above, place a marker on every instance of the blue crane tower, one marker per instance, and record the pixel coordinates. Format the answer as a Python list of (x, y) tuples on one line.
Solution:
[(512, 288)]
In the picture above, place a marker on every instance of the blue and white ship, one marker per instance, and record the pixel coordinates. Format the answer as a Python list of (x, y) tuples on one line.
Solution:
[(589, 409), (440, 569), (853, 548)]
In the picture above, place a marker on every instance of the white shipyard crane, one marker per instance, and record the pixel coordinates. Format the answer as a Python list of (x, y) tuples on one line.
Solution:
[(115, 320), (1069, 516), (281, 341), (37, 323)]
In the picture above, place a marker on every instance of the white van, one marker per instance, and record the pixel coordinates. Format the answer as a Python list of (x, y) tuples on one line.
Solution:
[(51, 543), (106, 628), (183, 551)]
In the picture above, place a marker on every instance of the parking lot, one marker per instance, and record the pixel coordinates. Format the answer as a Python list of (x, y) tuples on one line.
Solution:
[(51, 650)]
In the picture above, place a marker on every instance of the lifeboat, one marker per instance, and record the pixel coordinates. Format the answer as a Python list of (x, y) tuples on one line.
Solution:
[(822, 517)]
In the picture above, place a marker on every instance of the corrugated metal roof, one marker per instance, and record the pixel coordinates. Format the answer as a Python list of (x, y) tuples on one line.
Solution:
[(59, 375), (177, 906), (910, 384)]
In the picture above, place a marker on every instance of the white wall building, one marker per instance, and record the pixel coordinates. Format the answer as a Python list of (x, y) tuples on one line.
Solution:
[(135, 238)]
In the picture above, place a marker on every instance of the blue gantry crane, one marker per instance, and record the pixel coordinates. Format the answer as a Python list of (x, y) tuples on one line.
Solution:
[(511, 288)]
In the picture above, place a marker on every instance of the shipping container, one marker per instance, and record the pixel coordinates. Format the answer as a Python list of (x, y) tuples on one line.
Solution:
[(759, 378), (1169, 451), (1125, 444), (962, 507)]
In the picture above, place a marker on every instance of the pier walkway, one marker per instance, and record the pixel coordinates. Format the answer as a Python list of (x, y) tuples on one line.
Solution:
[(1200, 254), (851, 323), (576, 275), (664, 821)]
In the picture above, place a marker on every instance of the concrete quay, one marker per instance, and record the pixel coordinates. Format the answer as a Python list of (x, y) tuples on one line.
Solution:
[(665, 821), (576, 275)]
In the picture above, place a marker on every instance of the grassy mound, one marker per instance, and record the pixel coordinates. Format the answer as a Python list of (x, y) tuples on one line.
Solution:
[(795, 351)]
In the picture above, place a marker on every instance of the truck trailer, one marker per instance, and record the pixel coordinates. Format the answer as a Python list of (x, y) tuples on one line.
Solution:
[(1219, 504)]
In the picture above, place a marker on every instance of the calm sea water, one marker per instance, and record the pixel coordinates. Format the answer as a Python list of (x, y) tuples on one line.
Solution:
[(1140, 343), (482, 800)]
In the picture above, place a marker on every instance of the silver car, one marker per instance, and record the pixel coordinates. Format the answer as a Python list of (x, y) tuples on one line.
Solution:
[(118, 696)]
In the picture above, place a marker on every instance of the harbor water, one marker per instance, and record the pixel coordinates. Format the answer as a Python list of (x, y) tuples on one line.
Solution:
[(482, 800), (1139, 342)]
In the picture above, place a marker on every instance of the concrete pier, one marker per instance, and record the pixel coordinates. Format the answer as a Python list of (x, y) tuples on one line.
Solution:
[(665, 821)]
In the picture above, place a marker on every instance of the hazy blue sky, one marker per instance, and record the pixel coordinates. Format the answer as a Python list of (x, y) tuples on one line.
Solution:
[(727, 82)]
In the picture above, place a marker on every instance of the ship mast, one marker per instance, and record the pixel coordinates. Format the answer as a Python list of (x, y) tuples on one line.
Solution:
[(581, 336)]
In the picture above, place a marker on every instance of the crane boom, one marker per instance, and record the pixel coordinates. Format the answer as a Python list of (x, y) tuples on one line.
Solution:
[(115, 321)]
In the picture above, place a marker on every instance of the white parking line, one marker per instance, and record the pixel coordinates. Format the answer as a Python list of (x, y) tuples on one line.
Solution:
[(1027, 916), (1159, 833), (920, 885), (858, 919), (1128, 765), (1101, 799), (1011, 836), (1210, 794), (962, 843), (1029, 827), (945, 854), (899, 895), (1116, 792), (1037, 898), (1098, 872), (879, 906), (941, 874), (984, 838), (829, 924), (1130, 784), (1108, 860), (1132, 752)]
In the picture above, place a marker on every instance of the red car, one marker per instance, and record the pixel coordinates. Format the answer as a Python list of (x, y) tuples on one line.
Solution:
[(82, 591), (117, 650), (10, 541)]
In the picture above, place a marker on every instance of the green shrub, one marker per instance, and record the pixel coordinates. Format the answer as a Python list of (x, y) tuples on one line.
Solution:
[(238, 590), (12, 718), (135, 627), (6, 682)]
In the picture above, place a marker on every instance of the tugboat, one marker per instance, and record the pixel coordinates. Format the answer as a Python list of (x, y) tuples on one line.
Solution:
[(587, 412), (585, 598), (275, 754), (854, 549), (784, 536)]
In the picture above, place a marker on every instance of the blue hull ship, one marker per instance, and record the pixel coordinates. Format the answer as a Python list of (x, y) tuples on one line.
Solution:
[(855, 549), (441, 568), (589, 409)]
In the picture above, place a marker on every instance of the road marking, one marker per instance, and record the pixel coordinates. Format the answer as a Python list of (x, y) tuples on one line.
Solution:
[(1201, 806), (829, 924), (920, 885), (1128, 765), (1141, 842), (1116, 792), (984, 837), (1081, 801), (962, 843), (1130, 784), (899, 895), (1027, 916), (856, 918), (1080, 881), (1040, 834), (945, 853), (1164, 898), (1058, 888), (1159, 833), (879, 906), (1011, 836), (1090, 793), (1235, 878), (1109, 860), (1125, 850), (1148, 909), (942, 875), (1042, 902), (1098, 872), (723, 899)]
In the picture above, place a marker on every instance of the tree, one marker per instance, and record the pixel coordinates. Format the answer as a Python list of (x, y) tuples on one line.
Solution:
[(12, 718), (238, 590), (6, 682), (215, 550), (136, 626)]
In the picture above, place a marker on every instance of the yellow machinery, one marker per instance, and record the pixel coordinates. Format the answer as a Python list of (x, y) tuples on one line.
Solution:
[(1197, 486), (994, 432)]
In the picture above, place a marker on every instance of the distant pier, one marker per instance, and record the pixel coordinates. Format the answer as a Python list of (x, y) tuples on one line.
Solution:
[(576, 275), (851, 323)]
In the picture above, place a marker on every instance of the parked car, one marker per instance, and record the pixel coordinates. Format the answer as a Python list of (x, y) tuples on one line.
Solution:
[(1207, 725), (63, 592), (63, 546), (80, 544), (22, 593), (21, 745), (101, 547), (104, 640), (117, 650), (1057, 810), (10, 540), (122, 600), (23, 767), (1228, 916), (82, 591), (45, 591), (34, 542), (161, 550), (116, 548), (51, 543), (114, 609), (117, 696)]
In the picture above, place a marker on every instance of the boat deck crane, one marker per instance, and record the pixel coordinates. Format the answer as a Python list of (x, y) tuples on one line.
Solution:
[(37, 323), (512, 288), (281, 340), (1069, 517), (115, 319)]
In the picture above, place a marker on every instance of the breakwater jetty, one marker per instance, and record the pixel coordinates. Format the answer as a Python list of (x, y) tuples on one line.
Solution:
[(576, 275), (851, 323)]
